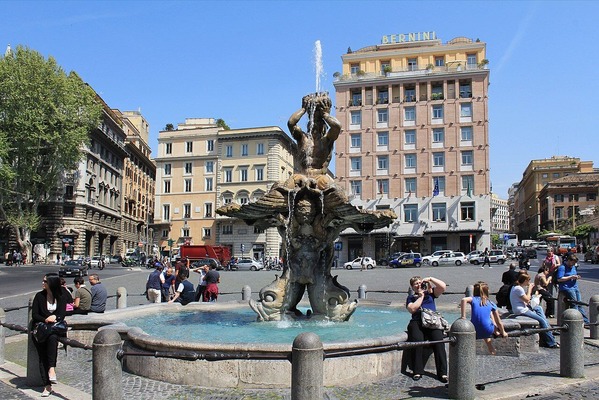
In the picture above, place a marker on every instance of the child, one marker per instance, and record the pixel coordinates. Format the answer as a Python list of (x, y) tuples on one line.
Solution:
[(484, 315)]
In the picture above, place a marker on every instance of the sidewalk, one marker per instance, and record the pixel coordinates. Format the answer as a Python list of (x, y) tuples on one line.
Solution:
[(532, 374)]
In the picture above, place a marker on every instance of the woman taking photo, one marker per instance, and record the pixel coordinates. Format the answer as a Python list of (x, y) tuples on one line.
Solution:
[(425, 292), (49, 306)]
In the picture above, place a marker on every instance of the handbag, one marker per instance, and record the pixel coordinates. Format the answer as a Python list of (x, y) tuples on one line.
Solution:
[(59, 328), (535, 300), (42, 330), (433, 319)]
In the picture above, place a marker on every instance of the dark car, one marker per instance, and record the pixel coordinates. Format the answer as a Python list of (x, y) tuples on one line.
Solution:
[(530, 253), (388, 259), (212, 262), (73, 268), (407, 260)]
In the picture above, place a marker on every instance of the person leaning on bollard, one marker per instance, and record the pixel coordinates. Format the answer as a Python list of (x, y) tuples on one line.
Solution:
[(520, 296), (425, 292), (567, 278), (49, 306)]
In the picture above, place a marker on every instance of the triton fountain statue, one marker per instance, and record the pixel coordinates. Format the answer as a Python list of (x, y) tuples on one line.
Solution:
[(309, 211)]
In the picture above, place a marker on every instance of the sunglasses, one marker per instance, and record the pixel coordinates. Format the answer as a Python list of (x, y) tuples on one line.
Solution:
[(44, 281)]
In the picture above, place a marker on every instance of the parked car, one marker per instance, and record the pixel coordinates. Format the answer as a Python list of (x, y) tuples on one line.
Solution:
[(248, 264), (456, 258), (433, 257), (357, 263), (115, 259), (388, 259), (495, 256), (73, 268), (407, 260), (208, 261), (473, 254), (592, 255)]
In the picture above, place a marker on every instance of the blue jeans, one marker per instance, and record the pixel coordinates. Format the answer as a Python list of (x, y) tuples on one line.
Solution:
[(537, 314), (574, 294)]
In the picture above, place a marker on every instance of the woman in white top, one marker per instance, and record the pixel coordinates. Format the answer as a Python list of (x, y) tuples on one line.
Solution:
[(520, 296)]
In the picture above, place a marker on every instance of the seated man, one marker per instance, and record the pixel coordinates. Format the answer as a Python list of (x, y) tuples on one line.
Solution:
[(99, 294), (185, 292), (568, 283)]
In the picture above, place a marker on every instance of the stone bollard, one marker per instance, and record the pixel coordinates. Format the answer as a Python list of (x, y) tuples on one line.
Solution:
[(107, 373), (571, 352), (561, 307), (34, 377), (2, 335), (593, 316), (121, 297), (362, 292), (462, 360), (469, 291), (246, 293), (307, 367)]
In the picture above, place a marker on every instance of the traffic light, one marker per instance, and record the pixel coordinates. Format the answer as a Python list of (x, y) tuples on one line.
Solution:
[(170, 242)]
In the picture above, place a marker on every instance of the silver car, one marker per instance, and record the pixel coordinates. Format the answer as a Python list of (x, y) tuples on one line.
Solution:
[(248, 264), (456, 258)]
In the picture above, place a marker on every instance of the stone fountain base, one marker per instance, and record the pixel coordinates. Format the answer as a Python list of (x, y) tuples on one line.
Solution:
[(340, 371)]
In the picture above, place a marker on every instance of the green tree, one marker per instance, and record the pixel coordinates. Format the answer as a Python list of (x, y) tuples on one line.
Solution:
[(169, 127), (583, 231), (496, 240), (221, 122), (45, 118)]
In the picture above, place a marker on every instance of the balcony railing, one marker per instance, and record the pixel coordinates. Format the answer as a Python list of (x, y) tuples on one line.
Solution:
[(410, 71)]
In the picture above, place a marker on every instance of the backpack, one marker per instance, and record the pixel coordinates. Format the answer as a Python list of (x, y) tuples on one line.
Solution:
[(503, 296)]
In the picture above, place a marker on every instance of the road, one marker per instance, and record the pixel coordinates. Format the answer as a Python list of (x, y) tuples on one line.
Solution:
[(18, 284)]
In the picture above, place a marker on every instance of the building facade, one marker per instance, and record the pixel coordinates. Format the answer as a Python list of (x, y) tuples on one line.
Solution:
[(527, 203), (200, 167), (414, 113), (499, 215), (139, 179)]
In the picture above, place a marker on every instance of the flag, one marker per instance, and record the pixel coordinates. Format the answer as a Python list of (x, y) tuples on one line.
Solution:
[(469, 190), (436, 189)]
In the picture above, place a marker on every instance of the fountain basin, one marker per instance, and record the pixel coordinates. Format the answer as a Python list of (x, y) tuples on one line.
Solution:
[(341, 371)]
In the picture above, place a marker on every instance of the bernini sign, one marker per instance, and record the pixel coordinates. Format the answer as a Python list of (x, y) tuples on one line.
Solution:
[(408, 37)]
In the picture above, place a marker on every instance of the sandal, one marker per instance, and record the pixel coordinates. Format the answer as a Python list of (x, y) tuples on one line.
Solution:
[(417, 377), (444, 379)]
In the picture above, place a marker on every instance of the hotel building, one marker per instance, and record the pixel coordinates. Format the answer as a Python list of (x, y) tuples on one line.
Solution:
[(200, 167), (415, 139)]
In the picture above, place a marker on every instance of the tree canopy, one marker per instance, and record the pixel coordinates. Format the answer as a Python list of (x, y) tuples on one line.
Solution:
[(45, 118)]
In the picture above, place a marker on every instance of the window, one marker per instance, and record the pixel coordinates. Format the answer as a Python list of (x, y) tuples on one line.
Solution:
[(412, 64), (209, 167), (188, 147), (244, 150), (227, 229), (260, 149), (591, 196), (467, 211), (471, 60), (166, 212), (559, 212), (573, 197), (438, 111), (383, 162), (259, 173), (356, 117), (68, 211), (465, 89), (356, 140), (188, 168), (556, 175), (68, 192), (409, 94), (207, 232), (382, 186), (243, 174), (229, 151), (385, 65), (410, 185), (165, 233), (409, 113), (228, 175), (356, 99), (439, 211), (545, 176), (468, 184), (439, 61), (466, 110), (258, 230), (438, 159), (354, 68), (210, 145), (382, 139), (467, 157), (356, 163), (438, 135), (410, 137), (168, 148), (207, 210), (209, 185), (439, 181), (410, 160), (243, 199), (410, 212), (187, 185), (437, 91), (382, 115), (186, 210), (466, 133), (356, 188), (167, 187), (185, 232), (167, 169), (227, 198)]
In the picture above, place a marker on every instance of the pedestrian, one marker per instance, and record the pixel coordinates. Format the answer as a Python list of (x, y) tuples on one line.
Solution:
[(363, 263), (212, 280), (202, 270), (154, 285), (486, 258)]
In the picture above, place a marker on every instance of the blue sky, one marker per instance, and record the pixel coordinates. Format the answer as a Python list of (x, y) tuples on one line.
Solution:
[(251, 62)]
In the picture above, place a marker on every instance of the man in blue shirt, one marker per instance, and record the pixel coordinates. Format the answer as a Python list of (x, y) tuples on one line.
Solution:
[(568, 283)]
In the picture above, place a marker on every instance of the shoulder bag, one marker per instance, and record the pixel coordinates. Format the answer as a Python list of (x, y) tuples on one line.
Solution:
[(433, 320)]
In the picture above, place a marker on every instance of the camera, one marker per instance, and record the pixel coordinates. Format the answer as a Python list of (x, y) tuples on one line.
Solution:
[(424, 285)]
